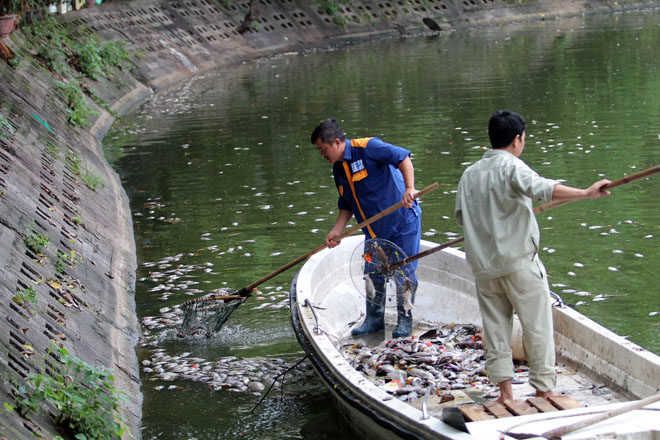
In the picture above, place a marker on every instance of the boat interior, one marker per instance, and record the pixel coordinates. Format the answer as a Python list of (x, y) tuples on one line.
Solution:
[(595, 366)]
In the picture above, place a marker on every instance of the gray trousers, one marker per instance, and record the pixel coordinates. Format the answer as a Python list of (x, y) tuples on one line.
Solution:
[(526, 293)]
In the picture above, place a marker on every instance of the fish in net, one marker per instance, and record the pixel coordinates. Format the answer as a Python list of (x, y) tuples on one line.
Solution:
[(379, 266), (205, 315)]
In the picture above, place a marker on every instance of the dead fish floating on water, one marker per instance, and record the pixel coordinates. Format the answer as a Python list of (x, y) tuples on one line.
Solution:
[(230, 373)]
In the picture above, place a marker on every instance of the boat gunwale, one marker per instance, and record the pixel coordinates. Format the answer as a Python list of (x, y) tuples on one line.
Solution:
[(337, 388)]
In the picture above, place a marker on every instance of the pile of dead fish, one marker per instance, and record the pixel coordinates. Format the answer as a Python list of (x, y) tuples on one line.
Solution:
[(228, 373), (170, 317), (447, 358)]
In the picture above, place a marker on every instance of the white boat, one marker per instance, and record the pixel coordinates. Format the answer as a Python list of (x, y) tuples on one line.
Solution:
[(325, 304)]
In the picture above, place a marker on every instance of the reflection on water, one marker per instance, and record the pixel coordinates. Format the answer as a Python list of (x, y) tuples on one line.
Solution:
[(225, 186)]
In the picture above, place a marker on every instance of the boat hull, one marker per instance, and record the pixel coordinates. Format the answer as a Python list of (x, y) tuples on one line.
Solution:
[(325, 306)]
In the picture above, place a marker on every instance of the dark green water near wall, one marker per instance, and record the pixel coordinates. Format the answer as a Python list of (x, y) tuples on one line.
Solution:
[(224, 184)]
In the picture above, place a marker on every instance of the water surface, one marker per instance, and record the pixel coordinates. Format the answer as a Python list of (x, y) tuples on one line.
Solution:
[(225, 184)]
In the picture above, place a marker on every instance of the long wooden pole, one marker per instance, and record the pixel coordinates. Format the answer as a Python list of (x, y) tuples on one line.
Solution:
[(542, 208), (615, 184), (563, 430), (247, 289)]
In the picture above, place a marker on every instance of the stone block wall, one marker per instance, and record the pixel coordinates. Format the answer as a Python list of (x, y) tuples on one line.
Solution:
[(86, 303)]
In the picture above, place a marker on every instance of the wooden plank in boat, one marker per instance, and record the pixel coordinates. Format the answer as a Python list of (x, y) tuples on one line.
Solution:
[(436, 403), (541, 404), (474, 413), (497, 409), (564, 402), (519, 408)]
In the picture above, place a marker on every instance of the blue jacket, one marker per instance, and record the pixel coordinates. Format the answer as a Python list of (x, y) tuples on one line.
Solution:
[(371, 165)]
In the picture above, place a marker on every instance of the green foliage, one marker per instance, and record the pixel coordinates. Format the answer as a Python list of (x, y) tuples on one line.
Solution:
[(89, 59), (6, 129), (77, 220), (16, 62), (91, 179), (10, 7), (53, 150), (333, 8), (114, 53), (70, 259), (328, 7), (87, 175), (20, 7), (50, 44), (35, 241), (52, 58), (59, 261), (26, 297), (74, 161), (78, 109), (84, 396), (93, 60)]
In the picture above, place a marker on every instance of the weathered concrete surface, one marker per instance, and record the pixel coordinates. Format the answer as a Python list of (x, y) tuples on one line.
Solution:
[(88, 307)]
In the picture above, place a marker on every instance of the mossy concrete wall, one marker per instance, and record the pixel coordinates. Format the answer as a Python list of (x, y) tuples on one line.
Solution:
[(88, 306)]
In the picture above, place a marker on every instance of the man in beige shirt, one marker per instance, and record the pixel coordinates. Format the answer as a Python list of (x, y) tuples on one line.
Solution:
[(494, 207)]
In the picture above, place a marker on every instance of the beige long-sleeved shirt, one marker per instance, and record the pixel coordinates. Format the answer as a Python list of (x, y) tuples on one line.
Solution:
[(494, 207)]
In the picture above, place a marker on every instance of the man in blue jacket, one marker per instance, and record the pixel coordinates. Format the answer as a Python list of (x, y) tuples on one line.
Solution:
[(372, 175)]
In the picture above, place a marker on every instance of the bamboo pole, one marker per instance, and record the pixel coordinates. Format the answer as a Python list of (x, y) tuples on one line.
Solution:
[(648, 172), (247, 290)]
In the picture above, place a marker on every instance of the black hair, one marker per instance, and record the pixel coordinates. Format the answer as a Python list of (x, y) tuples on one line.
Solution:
[(328, 131), (503, 127)]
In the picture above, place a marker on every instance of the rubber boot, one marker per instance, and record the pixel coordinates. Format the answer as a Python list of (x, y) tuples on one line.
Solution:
[(403, 317), (375, 319)]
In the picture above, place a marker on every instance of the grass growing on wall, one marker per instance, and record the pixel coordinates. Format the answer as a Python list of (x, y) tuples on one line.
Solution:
[(81, 398), (74, 62)]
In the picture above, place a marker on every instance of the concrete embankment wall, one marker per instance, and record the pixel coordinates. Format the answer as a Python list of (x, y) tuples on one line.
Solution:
[(85, 302)]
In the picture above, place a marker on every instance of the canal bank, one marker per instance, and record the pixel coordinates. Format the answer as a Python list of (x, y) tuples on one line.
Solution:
[(83, 277)]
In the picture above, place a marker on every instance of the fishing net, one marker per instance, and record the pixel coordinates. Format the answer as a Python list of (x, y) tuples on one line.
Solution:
[(376, 267), (206, 315)]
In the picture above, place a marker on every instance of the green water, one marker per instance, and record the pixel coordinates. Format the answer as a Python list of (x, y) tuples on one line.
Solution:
[(220, 170)]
